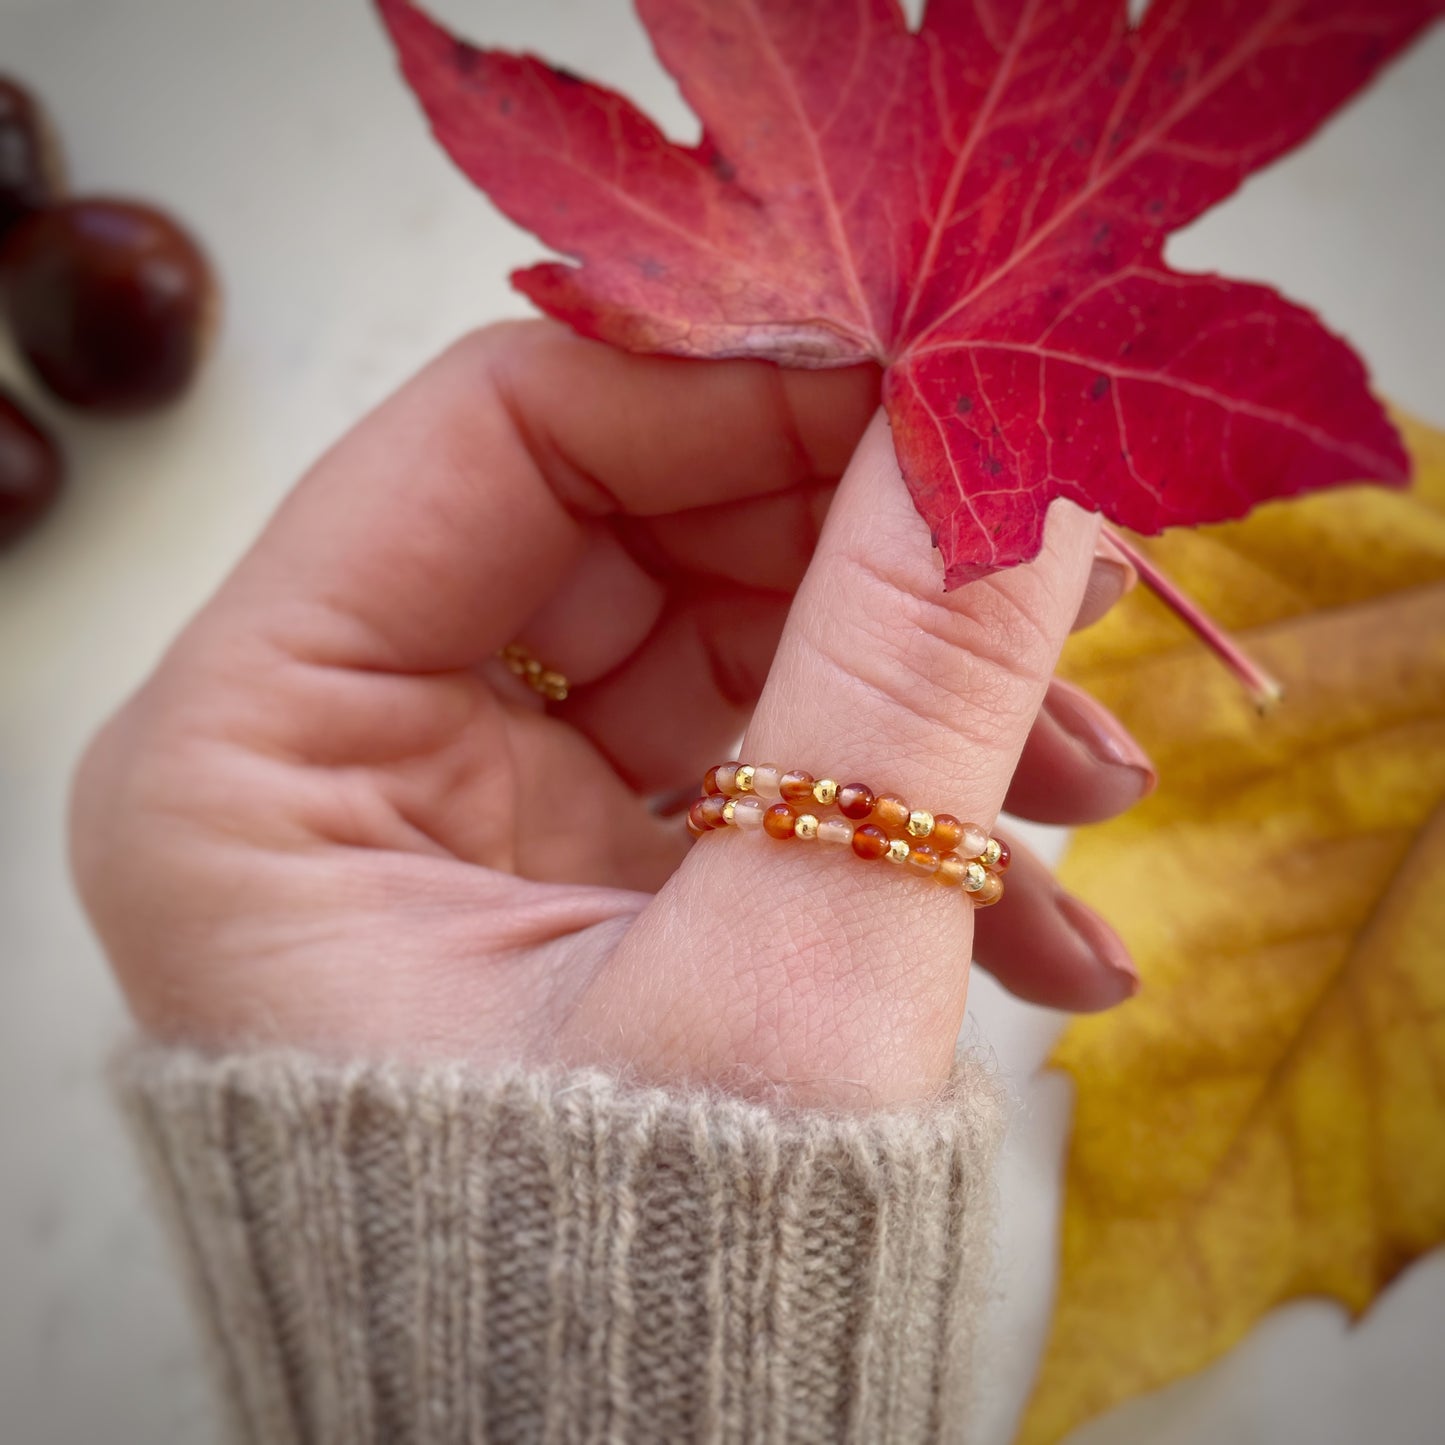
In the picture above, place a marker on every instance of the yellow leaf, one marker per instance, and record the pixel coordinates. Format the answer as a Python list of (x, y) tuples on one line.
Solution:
[(1267, 1119)]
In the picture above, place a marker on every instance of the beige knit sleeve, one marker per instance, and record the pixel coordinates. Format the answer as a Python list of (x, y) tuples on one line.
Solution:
[(389, 1255)]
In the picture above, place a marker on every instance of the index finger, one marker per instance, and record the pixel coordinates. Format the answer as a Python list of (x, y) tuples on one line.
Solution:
[(429, 534)]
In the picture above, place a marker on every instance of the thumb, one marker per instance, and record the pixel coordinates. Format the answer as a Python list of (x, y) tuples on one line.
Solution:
[(801, 964)]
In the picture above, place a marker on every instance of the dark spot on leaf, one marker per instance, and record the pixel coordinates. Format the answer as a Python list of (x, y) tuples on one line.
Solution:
[(1177, 76), (1099, 389), (1126, 348), (1102, 232), (993, 431), (465, 57), (1007, 162), (722, 167), (963, 405), (567, 77), (1155, 207), (993, 466), (1080, 144), (505, 105), (650, 268)]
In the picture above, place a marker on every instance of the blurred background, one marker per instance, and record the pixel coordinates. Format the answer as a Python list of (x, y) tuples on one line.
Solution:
[(348, 253)]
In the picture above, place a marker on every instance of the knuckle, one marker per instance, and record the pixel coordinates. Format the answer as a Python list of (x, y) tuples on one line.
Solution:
[(973, 661)]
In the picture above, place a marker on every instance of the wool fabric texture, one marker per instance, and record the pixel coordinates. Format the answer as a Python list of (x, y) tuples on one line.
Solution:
[(435, 1254)]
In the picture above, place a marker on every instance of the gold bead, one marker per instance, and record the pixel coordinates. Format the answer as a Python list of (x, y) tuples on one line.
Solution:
[(730, 810), (744, 781), (806, 826), (920, 822), (991, 852), (825, 790), (898, 851), (532, 668), (974, 877), (554, 685)]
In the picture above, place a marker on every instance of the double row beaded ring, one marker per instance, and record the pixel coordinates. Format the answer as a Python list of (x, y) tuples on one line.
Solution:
[(875, 825)]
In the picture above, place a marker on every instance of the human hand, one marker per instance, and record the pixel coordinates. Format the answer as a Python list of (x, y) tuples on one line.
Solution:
[(332, 819)]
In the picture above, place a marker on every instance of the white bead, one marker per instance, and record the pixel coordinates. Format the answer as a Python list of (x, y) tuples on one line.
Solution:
[(748, 812), (768, 781), (973, 842), (835, 830)]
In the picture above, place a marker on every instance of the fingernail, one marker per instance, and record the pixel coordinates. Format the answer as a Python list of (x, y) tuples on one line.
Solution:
[(1108, 557), (1106, 946), (1098, 731)]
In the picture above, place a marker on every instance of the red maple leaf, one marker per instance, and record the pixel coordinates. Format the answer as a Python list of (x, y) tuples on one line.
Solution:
[(980, 205)]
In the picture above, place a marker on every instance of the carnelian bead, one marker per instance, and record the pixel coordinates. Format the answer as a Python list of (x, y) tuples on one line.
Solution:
[(693, 829), (891, 811), (797, 787), (855, 800), (974, 840), (1005, 856), (697, 825), (947, 832), (990, 893), (779, 821), (725, 775), (951, 870), (709, 782), (710, 811), (768, 780), (870, 841), (923, 858)]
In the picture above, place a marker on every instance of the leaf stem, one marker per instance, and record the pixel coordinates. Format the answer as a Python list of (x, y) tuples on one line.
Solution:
[(1264, 690)]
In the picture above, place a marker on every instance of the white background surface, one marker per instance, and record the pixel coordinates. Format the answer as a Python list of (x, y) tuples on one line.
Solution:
[(350, 252)]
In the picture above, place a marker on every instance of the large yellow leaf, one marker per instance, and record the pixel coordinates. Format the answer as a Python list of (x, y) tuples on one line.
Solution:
[(1267, 1119)]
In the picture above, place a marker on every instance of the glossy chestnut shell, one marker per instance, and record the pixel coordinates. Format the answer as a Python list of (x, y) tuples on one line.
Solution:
[(111, 302), (31, 470)]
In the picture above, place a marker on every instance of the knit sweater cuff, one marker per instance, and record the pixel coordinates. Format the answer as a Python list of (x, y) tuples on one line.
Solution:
[(388, 1254)]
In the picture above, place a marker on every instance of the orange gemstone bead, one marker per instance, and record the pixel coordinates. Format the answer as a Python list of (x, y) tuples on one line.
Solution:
[(797, 787), (710, 783), (922, 858), (725, 775), (891, 811), (710, 810), (855, 800), (990, 893), (697, 823), (870, 841), (779, 821), (951, 870), (947, 832)]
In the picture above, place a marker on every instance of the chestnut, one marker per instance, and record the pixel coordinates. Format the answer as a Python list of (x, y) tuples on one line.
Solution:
[(30, 168), (30, 470), (111, 302)]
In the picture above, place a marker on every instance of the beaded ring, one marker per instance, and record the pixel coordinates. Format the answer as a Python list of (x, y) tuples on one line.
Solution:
[(873, 825), (546, 681)]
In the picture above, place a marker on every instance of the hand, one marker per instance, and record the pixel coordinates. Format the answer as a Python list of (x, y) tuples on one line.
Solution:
[(332, 819)]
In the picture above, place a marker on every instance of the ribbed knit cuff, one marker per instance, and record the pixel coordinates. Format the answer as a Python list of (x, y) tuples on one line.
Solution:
[(397, 1255)]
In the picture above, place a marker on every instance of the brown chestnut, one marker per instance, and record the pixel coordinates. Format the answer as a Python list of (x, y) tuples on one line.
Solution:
[(30, 168), (111, 302), (30, 470)]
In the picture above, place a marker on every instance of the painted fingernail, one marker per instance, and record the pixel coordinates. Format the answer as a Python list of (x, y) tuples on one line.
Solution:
[(1109, 558), (1106, 946), (1099, 732)]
